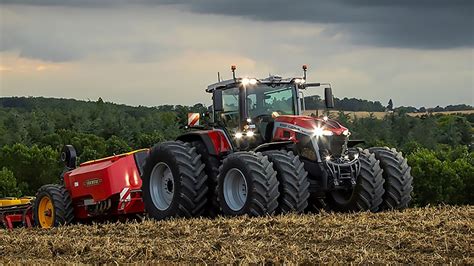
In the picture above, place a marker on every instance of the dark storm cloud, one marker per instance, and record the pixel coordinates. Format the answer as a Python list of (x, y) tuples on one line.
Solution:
[(404, 23), (422, 24)]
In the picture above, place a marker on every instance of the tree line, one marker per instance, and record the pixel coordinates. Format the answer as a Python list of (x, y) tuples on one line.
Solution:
[(33, 131), (315, 102)]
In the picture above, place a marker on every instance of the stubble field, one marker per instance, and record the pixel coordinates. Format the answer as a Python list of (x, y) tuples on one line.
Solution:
[(419, 235)]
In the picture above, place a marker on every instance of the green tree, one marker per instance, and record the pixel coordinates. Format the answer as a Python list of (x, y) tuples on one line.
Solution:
[(116, 145), (442, 176), (8, 186), (33, 166)]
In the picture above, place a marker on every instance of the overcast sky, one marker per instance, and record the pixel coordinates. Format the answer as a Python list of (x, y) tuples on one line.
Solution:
[(146, 52)]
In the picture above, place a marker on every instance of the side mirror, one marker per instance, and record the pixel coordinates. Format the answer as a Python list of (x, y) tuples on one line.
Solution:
[(217, 101), (302, 102), (328, 98)]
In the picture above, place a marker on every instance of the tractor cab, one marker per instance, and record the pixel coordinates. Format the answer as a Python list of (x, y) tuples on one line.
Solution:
[(247, 107)]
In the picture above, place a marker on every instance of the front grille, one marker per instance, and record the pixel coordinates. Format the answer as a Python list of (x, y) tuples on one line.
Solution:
[(332, 145)]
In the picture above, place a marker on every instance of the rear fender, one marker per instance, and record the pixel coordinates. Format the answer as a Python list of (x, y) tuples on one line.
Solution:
[(215, 140)]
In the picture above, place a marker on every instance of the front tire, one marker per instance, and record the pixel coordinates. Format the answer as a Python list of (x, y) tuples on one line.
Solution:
[(247, 184), (367, 194), (173, 181), (398, 179), (294, 184), (52, 207)]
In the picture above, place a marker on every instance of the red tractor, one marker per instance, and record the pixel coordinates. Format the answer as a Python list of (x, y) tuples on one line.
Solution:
[(256, 155)]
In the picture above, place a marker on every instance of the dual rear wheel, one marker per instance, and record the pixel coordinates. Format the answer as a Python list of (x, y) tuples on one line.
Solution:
[(176, 183), (262, 183)]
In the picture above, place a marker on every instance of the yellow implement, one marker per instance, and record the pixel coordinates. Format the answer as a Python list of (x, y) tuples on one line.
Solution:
[(4, 202)]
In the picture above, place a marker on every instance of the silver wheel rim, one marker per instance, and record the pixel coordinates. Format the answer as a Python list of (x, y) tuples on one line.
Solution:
[(235, 189), (161, 186)]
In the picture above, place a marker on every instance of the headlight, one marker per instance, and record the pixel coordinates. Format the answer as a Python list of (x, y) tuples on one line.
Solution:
[(319, 131), (346, 132), (238, 135), (299, 81), (250, 134), (247, 81)]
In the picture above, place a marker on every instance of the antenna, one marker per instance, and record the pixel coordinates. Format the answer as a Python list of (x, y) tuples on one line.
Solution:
[(233, 68), (305, 67), (218, 76)]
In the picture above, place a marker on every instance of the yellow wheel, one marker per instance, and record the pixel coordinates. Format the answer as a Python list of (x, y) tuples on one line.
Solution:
[(46, 212), (52, 207)]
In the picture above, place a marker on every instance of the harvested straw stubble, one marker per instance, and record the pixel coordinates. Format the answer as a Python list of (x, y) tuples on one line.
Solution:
[(429, 235)]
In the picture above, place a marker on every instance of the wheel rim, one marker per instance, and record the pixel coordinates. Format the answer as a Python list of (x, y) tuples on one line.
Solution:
[(46, 212), (235, 189), (162, 186)]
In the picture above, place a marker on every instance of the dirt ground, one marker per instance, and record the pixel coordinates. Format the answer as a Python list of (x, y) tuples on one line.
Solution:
[(420, 235)]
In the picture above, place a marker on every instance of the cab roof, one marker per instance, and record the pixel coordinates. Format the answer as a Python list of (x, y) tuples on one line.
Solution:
[(230, 82)]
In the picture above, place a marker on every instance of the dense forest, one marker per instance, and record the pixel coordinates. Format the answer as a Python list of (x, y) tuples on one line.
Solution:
[(352, 104), (33, 130)]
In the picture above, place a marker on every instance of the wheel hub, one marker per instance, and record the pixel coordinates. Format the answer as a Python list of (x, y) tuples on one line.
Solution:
[(46, 212), (235, 189), (162, 186)]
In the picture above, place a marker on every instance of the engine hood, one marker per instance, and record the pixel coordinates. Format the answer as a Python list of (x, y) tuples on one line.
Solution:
[(310, 123)]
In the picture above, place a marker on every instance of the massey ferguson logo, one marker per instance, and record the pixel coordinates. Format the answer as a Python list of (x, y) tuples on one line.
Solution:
[(293, 127), (92, 182)]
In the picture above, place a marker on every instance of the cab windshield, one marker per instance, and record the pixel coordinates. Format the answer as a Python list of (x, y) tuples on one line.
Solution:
[(261, 103), (267, 99)]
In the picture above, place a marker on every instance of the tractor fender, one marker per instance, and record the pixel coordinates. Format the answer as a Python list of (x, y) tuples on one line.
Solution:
[(215, 140), (273, 145)]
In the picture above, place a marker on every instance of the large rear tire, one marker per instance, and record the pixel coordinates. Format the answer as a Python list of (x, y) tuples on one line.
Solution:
[(367, 194), (173, 181), (398, 179), (52, 207), (247, 184), (212, 164), (294, 184)]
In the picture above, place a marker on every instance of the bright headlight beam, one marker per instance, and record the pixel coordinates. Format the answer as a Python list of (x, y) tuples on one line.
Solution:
[(238, 135), (299, 81), (250, 134), (319, 131), (247, 81)]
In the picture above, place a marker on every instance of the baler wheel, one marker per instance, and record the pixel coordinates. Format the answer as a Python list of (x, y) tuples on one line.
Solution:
[(247, 184), (294, 184), (174, 182), (367, 194), (52, 207), (398, 180)]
